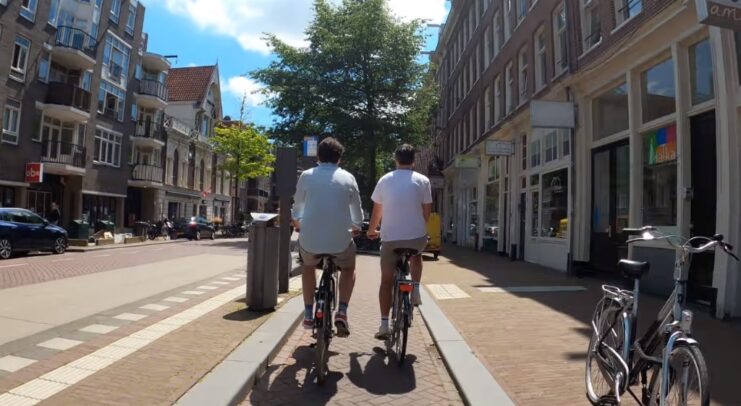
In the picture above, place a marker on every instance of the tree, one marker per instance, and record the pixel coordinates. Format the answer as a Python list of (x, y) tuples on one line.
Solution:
[(358, 80)]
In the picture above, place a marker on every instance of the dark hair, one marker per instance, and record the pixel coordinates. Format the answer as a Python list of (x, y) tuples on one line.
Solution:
[(330, 150), (404, 155)]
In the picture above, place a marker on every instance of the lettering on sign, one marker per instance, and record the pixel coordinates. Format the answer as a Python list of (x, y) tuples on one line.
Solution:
[(499, 148), (719, 13), (34, 172)]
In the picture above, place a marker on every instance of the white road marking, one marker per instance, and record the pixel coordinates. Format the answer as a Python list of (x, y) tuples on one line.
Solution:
[(207, 287), (60, 344), (176, 299), (130, 316), (98, 328), (155, 307), (67, 375), (220, 283), (230, 278), (193, 292), (13, 265), (531, 289), (62, 260), (446, 291), (11, 363)]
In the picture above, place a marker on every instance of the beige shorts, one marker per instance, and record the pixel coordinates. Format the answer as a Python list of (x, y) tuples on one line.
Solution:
[(343, 260), (388, 258)]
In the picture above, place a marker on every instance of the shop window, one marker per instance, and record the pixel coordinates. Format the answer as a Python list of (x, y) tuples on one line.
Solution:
[(535, 214), (660, 177), (658, 91), (95, 208), (535, 154), (38, 201), (610, 112), (560, 39), (701, 72), (534, 180), (625, 10), (7, 196), (565, 138), (554, 208), (491, 215), (551, 147)]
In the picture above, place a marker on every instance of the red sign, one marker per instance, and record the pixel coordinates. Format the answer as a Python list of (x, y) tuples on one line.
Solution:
[(34, 172)]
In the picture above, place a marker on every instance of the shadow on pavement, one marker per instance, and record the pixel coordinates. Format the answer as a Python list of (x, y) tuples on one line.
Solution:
[(240, 243), (718, 339), (382, 375), (245, 314)]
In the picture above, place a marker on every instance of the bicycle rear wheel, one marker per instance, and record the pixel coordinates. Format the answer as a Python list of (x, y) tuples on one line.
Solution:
[(324, 336), (604, 365), (689, 381), (403, 328)]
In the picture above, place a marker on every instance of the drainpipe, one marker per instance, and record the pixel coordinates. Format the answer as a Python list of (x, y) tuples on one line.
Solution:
[(570, 269)]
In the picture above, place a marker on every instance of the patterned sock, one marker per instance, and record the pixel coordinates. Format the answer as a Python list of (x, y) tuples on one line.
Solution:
[(385, 322), (309, 311), (342, 308)]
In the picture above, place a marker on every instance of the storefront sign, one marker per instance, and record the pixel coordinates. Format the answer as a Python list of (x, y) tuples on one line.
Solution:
[(720, 13), (552, 114), (437, 181), (495, 148), (467, 162), (310, 145), (34, 172), (662, 145)]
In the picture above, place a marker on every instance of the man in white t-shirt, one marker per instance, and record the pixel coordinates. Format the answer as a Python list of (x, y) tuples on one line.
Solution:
[(403, 201)]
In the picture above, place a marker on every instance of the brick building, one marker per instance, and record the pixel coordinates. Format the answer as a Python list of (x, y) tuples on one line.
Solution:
[(656, 97)]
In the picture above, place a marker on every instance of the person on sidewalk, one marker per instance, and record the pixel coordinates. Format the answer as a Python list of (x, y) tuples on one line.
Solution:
[(327, 211), (402, 200), (55, 215)]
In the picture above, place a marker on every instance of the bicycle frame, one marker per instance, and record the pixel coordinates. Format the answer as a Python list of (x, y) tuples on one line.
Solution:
[(327, 284)]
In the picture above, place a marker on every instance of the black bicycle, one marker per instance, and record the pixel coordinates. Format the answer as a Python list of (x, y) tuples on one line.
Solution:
[(401, 310), (326, 300)]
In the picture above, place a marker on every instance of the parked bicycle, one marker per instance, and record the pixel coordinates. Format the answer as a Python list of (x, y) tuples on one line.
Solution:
[(326, 300), (666, 359), (402, 310)]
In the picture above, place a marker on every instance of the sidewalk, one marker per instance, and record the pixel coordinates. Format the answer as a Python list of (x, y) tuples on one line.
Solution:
[(360, 372), (147, 243), (534, 340)]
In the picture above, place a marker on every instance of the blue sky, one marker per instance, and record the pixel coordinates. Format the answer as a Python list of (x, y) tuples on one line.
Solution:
[(202, 32)]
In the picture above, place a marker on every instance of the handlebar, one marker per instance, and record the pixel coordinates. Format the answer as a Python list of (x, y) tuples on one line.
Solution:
[(649, 233)]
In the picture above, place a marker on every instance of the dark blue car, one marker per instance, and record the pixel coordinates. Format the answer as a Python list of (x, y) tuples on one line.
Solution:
[(22, 231)]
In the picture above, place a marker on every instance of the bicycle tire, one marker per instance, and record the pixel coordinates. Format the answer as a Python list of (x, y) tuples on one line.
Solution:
[(324, 335), (605, 362), (401, 343), (694, 355)]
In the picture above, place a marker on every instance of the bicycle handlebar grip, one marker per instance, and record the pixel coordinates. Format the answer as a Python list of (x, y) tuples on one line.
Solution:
[(718, 237)]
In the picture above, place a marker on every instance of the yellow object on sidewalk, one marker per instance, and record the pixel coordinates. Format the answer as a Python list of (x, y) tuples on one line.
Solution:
[(434, 231)]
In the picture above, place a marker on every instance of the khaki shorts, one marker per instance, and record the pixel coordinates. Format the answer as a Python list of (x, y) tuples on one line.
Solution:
[(388, 258), (344, 259)]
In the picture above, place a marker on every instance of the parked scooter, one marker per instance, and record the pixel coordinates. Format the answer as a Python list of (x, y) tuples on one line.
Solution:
[(163, 228)]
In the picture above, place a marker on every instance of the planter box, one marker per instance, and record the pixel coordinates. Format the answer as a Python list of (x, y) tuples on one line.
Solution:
[(105, 241), (134, 240), (77, 243)]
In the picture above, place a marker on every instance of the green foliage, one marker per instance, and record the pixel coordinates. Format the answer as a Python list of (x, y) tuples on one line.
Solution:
[(359, 80), (247, 151)]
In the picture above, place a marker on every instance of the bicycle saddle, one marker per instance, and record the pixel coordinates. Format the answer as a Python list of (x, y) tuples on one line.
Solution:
[(406, 251), (328, 256), (633, 269)]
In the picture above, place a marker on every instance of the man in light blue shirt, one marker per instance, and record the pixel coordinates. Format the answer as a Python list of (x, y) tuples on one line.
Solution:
[(326, 210)]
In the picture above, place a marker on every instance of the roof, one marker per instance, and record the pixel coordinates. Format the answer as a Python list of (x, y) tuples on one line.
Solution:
[(189, 84)]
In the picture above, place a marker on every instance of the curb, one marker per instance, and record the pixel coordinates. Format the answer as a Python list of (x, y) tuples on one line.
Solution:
[(474, 382), (230, 380), (121, 246)]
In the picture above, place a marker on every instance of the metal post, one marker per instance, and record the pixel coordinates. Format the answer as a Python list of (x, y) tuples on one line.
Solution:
[(285, 171)]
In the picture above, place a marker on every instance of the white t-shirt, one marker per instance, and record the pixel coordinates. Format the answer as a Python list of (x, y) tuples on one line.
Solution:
[(402, 194)]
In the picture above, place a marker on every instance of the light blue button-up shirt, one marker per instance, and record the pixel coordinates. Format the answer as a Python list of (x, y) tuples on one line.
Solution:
[(327, 205)]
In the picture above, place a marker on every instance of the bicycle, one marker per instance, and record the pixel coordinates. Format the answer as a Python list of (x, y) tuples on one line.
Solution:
[(678, 372), (326, 300), (401, 310)]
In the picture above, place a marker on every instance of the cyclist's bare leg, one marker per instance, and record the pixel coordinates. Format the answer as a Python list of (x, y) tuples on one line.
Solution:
[(415, 267), (308, 280), (386, 289), (347, 283)]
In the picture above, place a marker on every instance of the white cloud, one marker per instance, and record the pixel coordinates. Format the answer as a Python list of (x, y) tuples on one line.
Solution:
[(240, 86), (247, 20)]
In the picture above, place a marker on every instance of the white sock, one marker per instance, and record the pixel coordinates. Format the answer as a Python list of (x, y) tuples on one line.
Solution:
[(384, 322)]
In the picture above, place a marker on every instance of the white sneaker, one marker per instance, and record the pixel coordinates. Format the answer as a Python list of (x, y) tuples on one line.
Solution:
[(383, 334), (416, 297)]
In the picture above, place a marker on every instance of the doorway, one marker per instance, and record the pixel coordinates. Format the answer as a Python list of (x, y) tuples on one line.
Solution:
[(610, 201), (703, 205)]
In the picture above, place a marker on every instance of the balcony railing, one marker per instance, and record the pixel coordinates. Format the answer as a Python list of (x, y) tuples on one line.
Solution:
[(60, 152), (75, 38), (150, 129), (153, 88), (148, 173), (68, 95)]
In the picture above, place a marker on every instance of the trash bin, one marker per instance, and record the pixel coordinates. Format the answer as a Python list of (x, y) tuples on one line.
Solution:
[(262, 262), (79, 230), (105, 225)]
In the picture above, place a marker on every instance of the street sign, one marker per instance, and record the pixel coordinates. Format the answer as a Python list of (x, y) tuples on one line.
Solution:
[(499, 148), (552, 114), (34, 172), (310, 145), (720, 13), (469, 162)]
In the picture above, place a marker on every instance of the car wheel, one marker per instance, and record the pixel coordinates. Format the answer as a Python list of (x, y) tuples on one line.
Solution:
[(60, 245), (6, 249), (198, 236), (213, 235)]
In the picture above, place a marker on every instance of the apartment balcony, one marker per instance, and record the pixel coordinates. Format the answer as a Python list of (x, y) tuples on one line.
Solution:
[(149, 134), (63, 158), (66, 102), (74, 48), (152, 94), (155, 62), (147, 176)]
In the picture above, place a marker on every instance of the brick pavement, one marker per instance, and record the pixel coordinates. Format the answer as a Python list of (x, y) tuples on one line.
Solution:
[(46, 267), (535, 343), (360, 373)]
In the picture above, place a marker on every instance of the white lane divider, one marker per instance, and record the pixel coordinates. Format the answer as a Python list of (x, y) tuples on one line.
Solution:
[(48, 385)]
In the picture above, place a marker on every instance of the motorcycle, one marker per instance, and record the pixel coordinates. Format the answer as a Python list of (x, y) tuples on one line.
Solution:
[(163, 228)]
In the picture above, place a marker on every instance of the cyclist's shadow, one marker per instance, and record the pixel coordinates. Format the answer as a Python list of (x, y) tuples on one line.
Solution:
[(381, 374)]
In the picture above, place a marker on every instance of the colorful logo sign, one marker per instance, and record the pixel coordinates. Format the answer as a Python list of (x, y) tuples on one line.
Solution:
[(662, 145), (34, 172)]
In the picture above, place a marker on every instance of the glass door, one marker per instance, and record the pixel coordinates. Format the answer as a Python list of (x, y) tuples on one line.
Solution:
[(610, 200)]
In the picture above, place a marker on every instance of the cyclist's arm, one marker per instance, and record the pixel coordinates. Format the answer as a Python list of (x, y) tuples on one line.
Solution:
[(297, 212), (426, 211), (426, 200), (356, 206), (375, 220)]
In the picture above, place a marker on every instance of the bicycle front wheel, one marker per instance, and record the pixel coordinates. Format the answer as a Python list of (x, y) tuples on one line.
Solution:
[(689, 381), (604, 366), (403, 328)]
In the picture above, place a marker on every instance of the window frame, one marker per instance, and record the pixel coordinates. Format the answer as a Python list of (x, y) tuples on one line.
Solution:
[(498, 99), (131, 22), (624, 5), (115, 13), (589, 8), (108, 147), (16, 70), (522, 73), (29, 12), (695, 99), (560, 44), (645, 119), (509, 101), (541, 65), (12, 133)]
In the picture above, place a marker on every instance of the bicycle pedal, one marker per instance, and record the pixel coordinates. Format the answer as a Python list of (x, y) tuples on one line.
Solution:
[(608, 400)]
